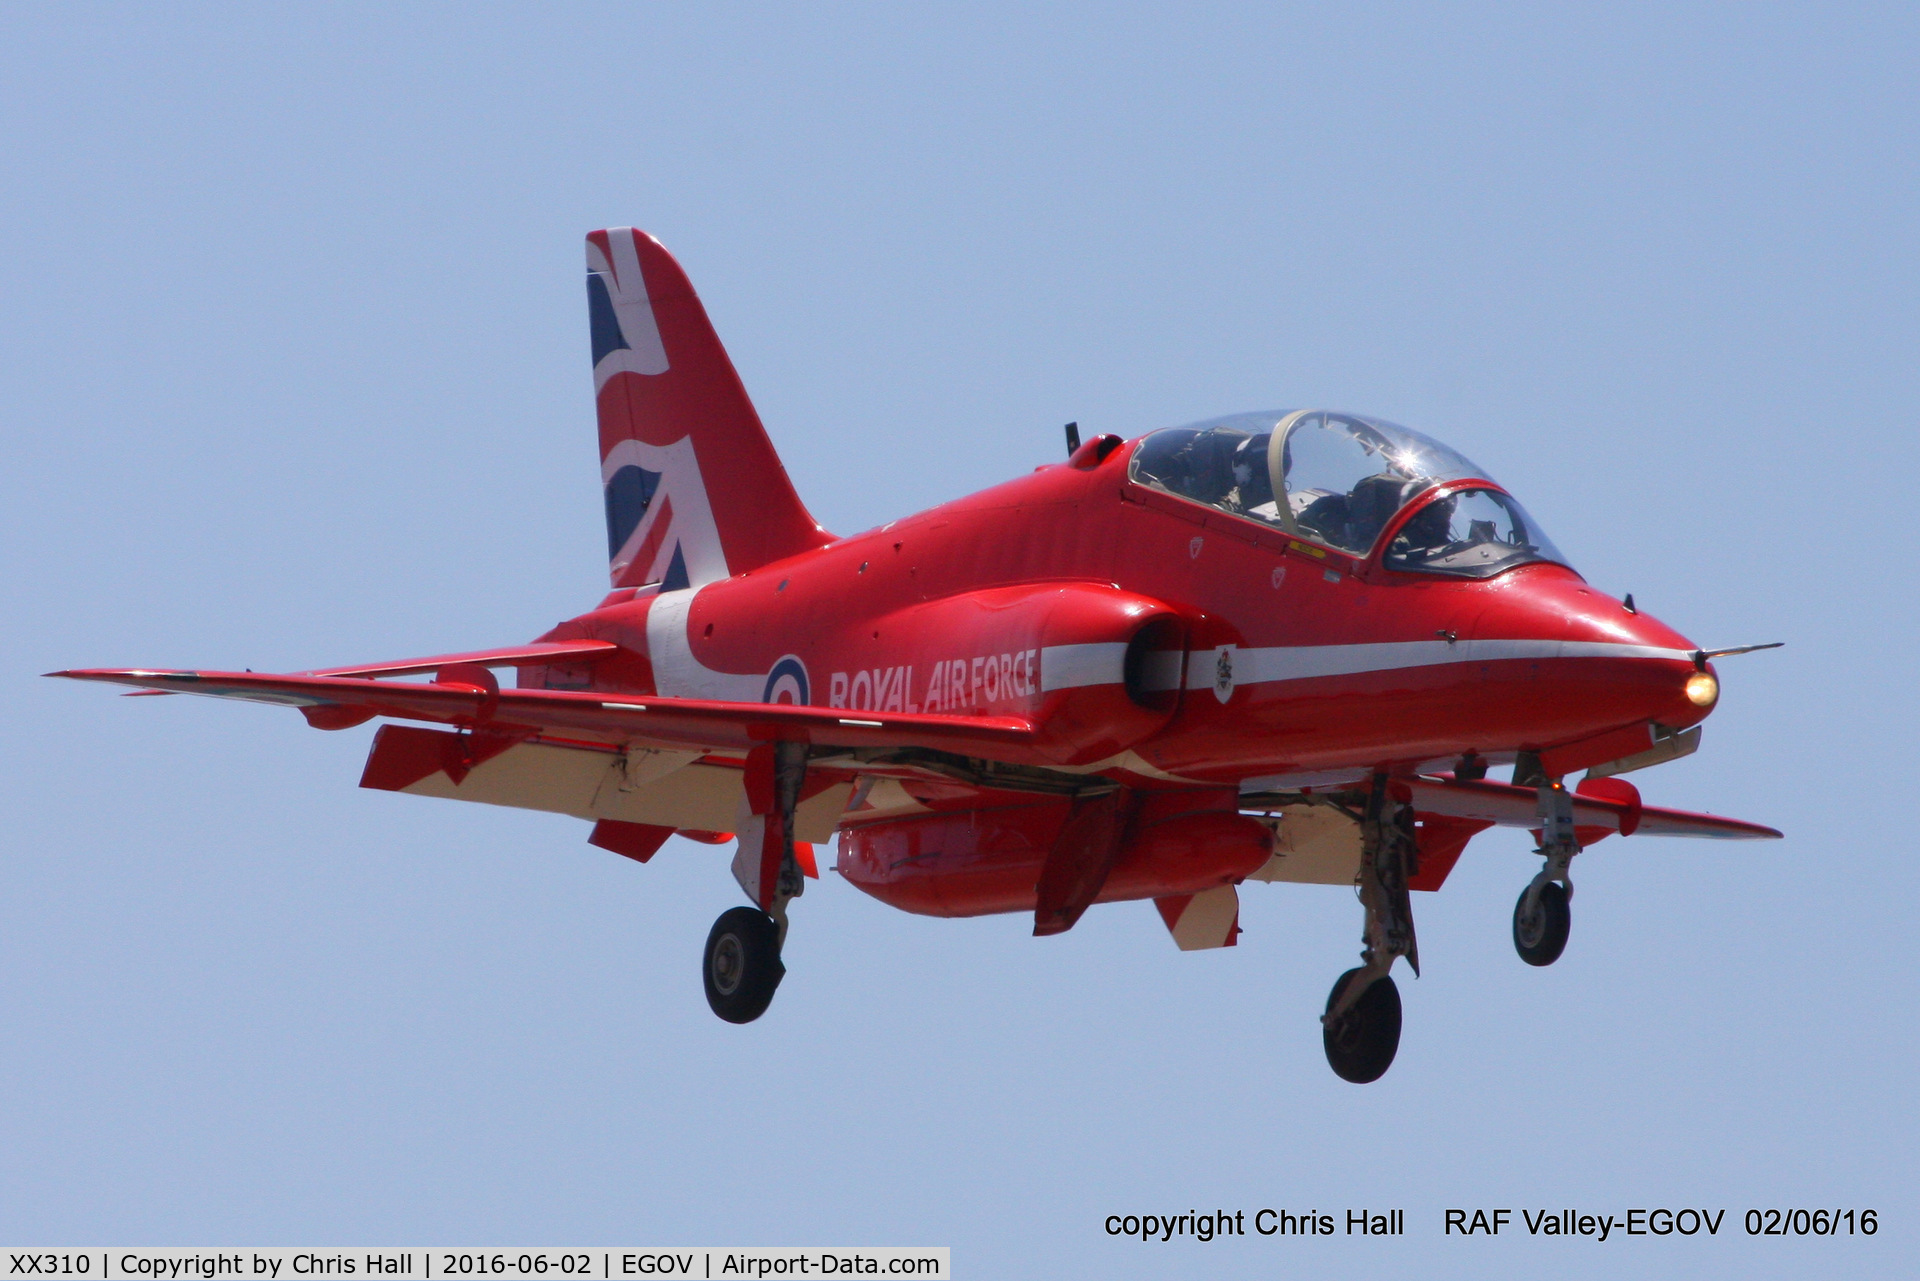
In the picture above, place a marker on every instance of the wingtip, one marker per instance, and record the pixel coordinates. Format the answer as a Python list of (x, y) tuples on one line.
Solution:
[(123, 675)]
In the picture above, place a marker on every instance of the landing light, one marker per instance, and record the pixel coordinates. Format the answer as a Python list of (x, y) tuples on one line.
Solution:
[(1702, 689)]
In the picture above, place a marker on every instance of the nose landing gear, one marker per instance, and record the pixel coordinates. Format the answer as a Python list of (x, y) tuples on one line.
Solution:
[(1361, 1027), (1541, 922), (1542, 918)]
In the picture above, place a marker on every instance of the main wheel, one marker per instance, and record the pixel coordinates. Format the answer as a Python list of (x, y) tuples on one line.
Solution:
[(742, 966), (1541, 935), (1361, 1043)]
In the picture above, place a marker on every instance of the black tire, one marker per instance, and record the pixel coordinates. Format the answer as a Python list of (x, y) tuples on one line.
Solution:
[(1540, 940), (742, 966), (1361, 1043)]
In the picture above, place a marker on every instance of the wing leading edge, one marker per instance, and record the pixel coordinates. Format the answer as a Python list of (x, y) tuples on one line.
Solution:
[(466, 694), (1510, 806)]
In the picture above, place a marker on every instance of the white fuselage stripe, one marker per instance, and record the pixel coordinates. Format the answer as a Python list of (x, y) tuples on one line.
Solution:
[(1075, 666), (676, 672), (1306, 662)]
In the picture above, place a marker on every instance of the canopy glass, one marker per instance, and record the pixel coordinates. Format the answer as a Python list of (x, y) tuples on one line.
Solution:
[(1340, 479)]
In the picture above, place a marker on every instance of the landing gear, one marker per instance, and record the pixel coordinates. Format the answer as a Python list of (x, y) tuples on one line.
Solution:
[(1542, 918), (1361, 1042), (742, 967), (1361, 1028)]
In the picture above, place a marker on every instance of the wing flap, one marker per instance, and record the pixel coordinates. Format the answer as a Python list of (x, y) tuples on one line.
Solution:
[(592, 783)]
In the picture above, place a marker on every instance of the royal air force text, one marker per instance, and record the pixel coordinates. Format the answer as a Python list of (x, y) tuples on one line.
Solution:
[(949, 686)]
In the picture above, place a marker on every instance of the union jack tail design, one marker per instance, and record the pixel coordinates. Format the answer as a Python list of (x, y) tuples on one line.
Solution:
[(694, 490)]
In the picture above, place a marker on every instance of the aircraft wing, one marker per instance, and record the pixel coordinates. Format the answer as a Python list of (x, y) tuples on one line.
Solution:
[(1511, 806), (530, 655), (338, 702)]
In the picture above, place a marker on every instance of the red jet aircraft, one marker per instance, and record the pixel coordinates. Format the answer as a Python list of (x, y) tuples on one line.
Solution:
[(1281, 646)]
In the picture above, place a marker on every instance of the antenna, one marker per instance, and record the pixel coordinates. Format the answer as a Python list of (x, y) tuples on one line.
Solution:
[(1073, 439)]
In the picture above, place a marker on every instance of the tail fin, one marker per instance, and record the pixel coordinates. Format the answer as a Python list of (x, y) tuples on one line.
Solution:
[(694, 490)]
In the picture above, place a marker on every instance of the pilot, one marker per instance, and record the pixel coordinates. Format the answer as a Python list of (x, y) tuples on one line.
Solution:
[(1252, 485), (1371, 504), (1428, 531)]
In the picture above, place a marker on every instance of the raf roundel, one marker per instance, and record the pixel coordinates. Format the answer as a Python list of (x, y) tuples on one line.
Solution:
[(787, 683)]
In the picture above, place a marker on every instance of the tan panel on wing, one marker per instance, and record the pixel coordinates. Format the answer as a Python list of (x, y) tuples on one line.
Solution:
[(563, 780), (1208, 919), (529, 776), (701, 798), (1315, 845), (887, 799), (818, 816)]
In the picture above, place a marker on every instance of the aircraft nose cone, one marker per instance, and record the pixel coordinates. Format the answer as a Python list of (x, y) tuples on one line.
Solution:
[(1599, 665)]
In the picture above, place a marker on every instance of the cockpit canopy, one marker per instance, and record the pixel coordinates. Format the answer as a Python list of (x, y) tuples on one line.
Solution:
[(1339, 479)]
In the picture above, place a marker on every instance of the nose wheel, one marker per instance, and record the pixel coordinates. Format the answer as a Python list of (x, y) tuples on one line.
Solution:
[(1542, 920), (742, 966)]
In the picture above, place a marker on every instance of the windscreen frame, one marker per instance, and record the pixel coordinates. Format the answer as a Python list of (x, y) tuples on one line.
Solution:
[(1442, 492)]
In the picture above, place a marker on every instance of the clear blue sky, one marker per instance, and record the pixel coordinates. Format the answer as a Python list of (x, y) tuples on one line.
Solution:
[(294, 371)]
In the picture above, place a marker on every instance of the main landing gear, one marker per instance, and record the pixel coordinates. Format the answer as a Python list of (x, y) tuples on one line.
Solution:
[(1542, 918), (1361, 1028), (742, 967)]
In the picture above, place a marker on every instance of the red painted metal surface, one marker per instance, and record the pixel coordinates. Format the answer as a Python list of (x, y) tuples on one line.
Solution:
[(976, 862), (637, 841)]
